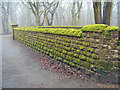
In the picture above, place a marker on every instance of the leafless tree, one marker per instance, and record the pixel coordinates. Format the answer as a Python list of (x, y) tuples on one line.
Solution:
[(42, 9), (5, 15)]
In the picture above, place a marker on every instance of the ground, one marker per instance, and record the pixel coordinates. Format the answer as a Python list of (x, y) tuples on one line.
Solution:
[(21, 69)]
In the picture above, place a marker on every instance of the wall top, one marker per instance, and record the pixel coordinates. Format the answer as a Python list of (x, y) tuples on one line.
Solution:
[(14, 24)]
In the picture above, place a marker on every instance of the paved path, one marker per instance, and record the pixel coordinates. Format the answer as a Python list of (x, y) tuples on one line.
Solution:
[(0, 61), (20, 69)]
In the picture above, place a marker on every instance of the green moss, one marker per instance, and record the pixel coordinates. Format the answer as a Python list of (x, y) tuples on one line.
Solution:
[(65, 52), (68, 44), (77, 42), (106, 63), (86, 53), (65, 61), (67, 40), (107, 30), (59, 31), (107, 68), (81, 47), (70, 53), (94, 56), (86, 65), (116, 64), (90, 60), (65, 49), (78, 51), (106, 33), (90, 49), (82, 57), (111, 28), (76, 55), (13, 23), (86, 44), (94, 27)]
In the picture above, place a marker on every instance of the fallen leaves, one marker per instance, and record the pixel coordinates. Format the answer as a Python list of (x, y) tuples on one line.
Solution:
[(54, 65)]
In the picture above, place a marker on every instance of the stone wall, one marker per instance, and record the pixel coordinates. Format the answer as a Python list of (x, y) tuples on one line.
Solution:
[(94, 52)]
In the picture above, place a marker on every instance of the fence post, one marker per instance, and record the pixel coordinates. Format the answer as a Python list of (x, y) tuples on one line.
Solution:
[(13, 26)]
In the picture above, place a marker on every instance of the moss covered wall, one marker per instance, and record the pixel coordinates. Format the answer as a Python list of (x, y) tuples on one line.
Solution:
[(105, 45), (94, 52)]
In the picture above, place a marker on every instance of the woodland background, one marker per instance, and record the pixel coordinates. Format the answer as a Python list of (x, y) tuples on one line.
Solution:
[(58, 12)]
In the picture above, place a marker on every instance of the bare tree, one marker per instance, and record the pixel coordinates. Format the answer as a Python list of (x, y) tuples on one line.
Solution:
[(42, 9), (5, 15), (49, 11), (34, 6), (7, 8)]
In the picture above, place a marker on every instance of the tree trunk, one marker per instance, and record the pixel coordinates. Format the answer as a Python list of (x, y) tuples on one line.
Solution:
[(107, 12), (64, 20), (79, 18), (37, 20), (7, 26), (119, 20), (73, 14), (97, 12), (119, 14), (37, 14), (3, 24), (52, 17)]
